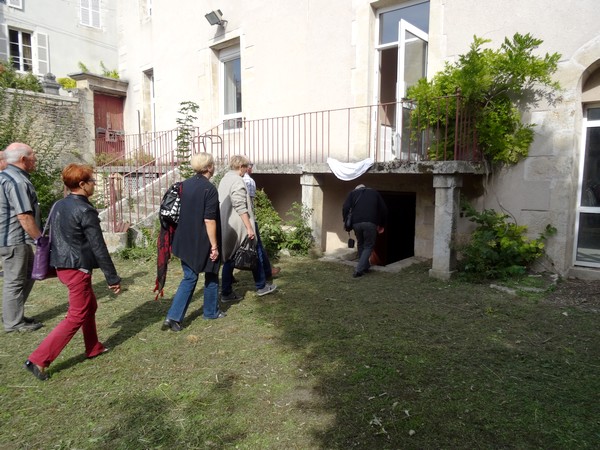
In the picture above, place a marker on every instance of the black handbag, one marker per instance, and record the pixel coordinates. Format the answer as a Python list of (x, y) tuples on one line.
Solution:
[(246, 256), (41, 259)]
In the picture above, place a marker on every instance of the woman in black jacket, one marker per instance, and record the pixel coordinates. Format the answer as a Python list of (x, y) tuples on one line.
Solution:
[(77, 247)]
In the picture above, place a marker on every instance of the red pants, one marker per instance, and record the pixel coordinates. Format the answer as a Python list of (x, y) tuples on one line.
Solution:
[(81, 314)]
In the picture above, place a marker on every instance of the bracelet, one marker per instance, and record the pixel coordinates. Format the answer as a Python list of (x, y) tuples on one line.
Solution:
[(214, 248)]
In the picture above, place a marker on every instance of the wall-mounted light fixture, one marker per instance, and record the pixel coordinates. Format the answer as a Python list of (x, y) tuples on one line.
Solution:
[(215, 18)]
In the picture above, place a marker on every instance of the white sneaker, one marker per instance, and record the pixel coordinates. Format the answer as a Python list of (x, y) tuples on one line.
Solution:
[(269, 288)]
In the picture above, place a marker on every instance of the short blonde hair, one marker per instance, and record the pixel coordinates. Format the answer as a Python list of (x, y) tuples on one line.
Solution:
[(202, 162), (238, 161)]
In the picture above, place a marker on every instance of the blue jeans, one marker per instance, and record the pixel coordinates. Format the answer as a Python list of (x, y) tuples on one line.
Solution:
[(262, 255), (185, 292), (366, 235)]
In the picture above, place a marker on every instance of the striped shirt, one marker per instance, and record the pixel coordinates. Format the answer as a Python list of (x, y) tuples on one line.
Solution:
[(17, 196)]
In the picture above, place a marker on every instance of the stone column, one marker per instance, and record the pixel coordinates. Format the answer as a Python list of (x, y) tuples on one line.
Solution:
[(312, 197), (447, 209)]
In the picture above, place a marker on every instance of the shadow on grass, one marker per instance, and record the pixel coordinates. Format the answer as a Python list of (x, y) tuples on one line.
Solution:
[(405, 361)]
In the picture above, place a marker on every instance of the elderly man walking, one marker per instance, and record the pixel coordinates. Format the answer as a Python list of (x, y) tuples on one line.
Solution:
[(369, 215), (20, 226)]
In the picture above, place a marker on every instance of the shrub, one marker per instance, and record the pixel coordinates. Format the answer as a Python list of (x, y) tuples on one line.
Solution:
[(270, 224), (298, 237), (67, 83), (499, 249), (10, 78)]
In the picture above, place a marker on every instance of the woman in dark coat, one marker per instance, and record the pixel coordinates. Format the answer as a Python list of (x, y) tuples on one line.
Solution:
[(196, 243), (77, 247)]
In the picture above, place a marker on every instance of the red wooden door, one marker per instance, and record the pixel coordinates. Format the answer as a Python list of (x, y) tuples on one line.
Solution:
[(108, 121)]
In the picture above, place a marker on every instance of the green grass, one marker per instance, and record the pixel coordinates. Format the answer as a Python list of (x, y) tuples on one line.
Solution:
[(386, 361)]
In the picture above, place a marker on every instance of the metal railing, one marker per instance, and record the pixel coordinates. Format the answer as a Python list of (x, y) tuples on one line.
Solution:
[(131, 181)]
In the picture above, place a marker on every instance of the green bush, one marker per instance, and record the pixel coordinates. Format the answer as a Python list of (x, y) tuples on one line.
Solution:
[(298, 237), (270, 224), (10, 78), (499, 249), (67, 83)]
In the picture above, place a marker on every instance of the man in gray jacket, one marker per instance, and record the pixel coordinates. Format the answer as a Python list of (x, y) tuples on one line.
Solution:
[(20, 226)]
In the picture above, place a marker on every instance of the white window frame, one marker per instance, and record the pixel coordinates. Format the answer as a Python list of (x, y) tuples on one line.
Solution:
[(17, 4), (20, 43), (584, 209), (89, 13), (226, 55)]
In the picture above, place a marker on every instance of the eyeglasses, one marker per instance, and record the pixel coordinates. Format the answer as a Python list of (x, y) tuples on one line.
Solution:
[(91, 180)]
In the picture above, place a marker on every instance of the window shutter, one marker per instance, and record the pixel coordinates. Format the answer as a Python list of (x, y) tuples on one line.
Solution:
[(15, 3), (95, 13), (43, 60), (3, 44)]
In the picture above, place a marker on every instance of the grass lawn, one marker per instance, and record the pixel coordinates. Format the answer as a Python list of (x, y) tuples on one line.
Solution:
[(386, 361)]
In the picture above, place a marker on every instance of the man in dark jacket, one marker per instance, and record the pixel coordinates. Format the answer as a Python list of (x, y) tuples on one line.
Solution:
[(369, 214)]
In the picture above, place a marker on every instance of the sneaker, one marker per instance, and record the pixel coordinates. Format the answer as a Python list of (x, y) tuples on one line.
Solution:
[(357, 274), (269, 288), (172, 325), (231, 297), (40, 374), (221, 315)]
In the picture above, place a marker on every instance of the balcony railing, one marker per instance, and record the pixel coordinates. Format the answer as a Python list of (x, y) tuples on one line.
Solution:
[(132, 180)]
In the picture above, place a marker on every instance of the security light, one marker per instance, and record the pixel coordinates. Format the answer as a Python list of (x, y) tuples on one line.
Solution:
[(215, 18)]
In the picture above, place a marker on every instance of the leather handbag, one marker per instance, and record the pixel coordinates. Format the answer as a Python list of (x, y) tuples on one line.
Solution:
[(246, 256), (41, 260)]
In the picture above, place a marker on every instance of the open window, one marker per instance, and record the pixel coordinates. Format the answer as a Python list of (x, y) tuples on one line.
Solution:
[(402, 54), (231, 87)]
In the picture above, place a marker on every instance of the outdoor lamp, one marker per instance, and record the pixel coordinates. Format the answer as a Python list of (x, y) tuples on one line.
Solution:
[(215, 18)]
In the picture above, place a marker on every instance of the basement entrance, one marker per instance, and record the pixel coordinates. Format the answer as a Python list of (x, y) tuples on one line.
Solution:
[(398, 240)]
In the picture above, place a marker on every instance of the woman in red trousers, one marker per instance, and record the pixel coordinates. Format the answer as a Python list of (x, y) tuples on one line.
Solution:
[(77, 247)]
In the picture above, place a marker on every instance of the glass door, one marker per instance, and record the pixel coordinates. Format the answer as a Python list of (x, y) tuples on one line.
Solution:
[(587, 249), (412, 66)]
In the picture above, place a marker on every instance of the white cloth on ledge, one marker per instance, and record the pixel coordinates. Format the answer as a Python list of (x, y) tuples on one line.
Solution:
[(349, 171)]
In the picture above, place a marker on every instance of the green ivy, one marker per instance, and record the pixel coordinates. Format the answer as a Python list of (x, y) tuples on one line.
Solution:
[(495, 86), (499, 249)]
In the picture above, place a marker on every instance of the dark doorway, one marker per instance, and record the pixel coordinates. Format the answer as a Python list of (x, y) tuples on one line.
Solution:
[(398, 240)]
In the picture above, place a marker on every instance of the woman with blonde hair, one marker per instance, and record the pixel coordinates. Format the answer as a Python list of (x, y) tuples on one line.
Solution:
[(237, 218), (196, 243)]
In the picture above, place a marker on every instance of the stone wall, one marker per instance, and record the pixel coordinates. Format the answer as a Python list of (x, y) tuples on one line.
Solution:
[(55, 120)]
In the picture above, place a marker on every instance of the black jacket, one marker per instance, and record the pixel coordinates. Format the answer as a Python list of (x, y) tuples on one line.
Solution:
[(77, 240), (199, 201), (369, 207)]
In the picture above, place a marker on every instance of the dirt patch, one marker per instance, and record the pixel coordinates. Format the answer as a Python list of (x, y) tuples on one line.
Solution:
[(578, 293)]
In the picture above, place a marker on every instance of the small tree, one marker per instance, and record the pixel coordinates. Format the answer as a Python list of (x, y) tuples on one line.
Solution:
[(495, 85), (185, 133)]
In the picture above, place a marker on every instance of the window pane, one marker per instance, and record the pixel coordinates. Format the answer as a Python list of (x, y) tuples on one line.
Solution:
[(233, 86), (417, 15), (588, 243), (590, 195), (593, 114)]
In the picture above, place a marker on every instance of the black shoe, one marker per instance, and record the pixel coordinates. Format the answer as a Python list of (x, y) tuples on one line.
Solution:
[(172, 324), (29, 327), (35, 370), (29, 319), (357, 274)]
